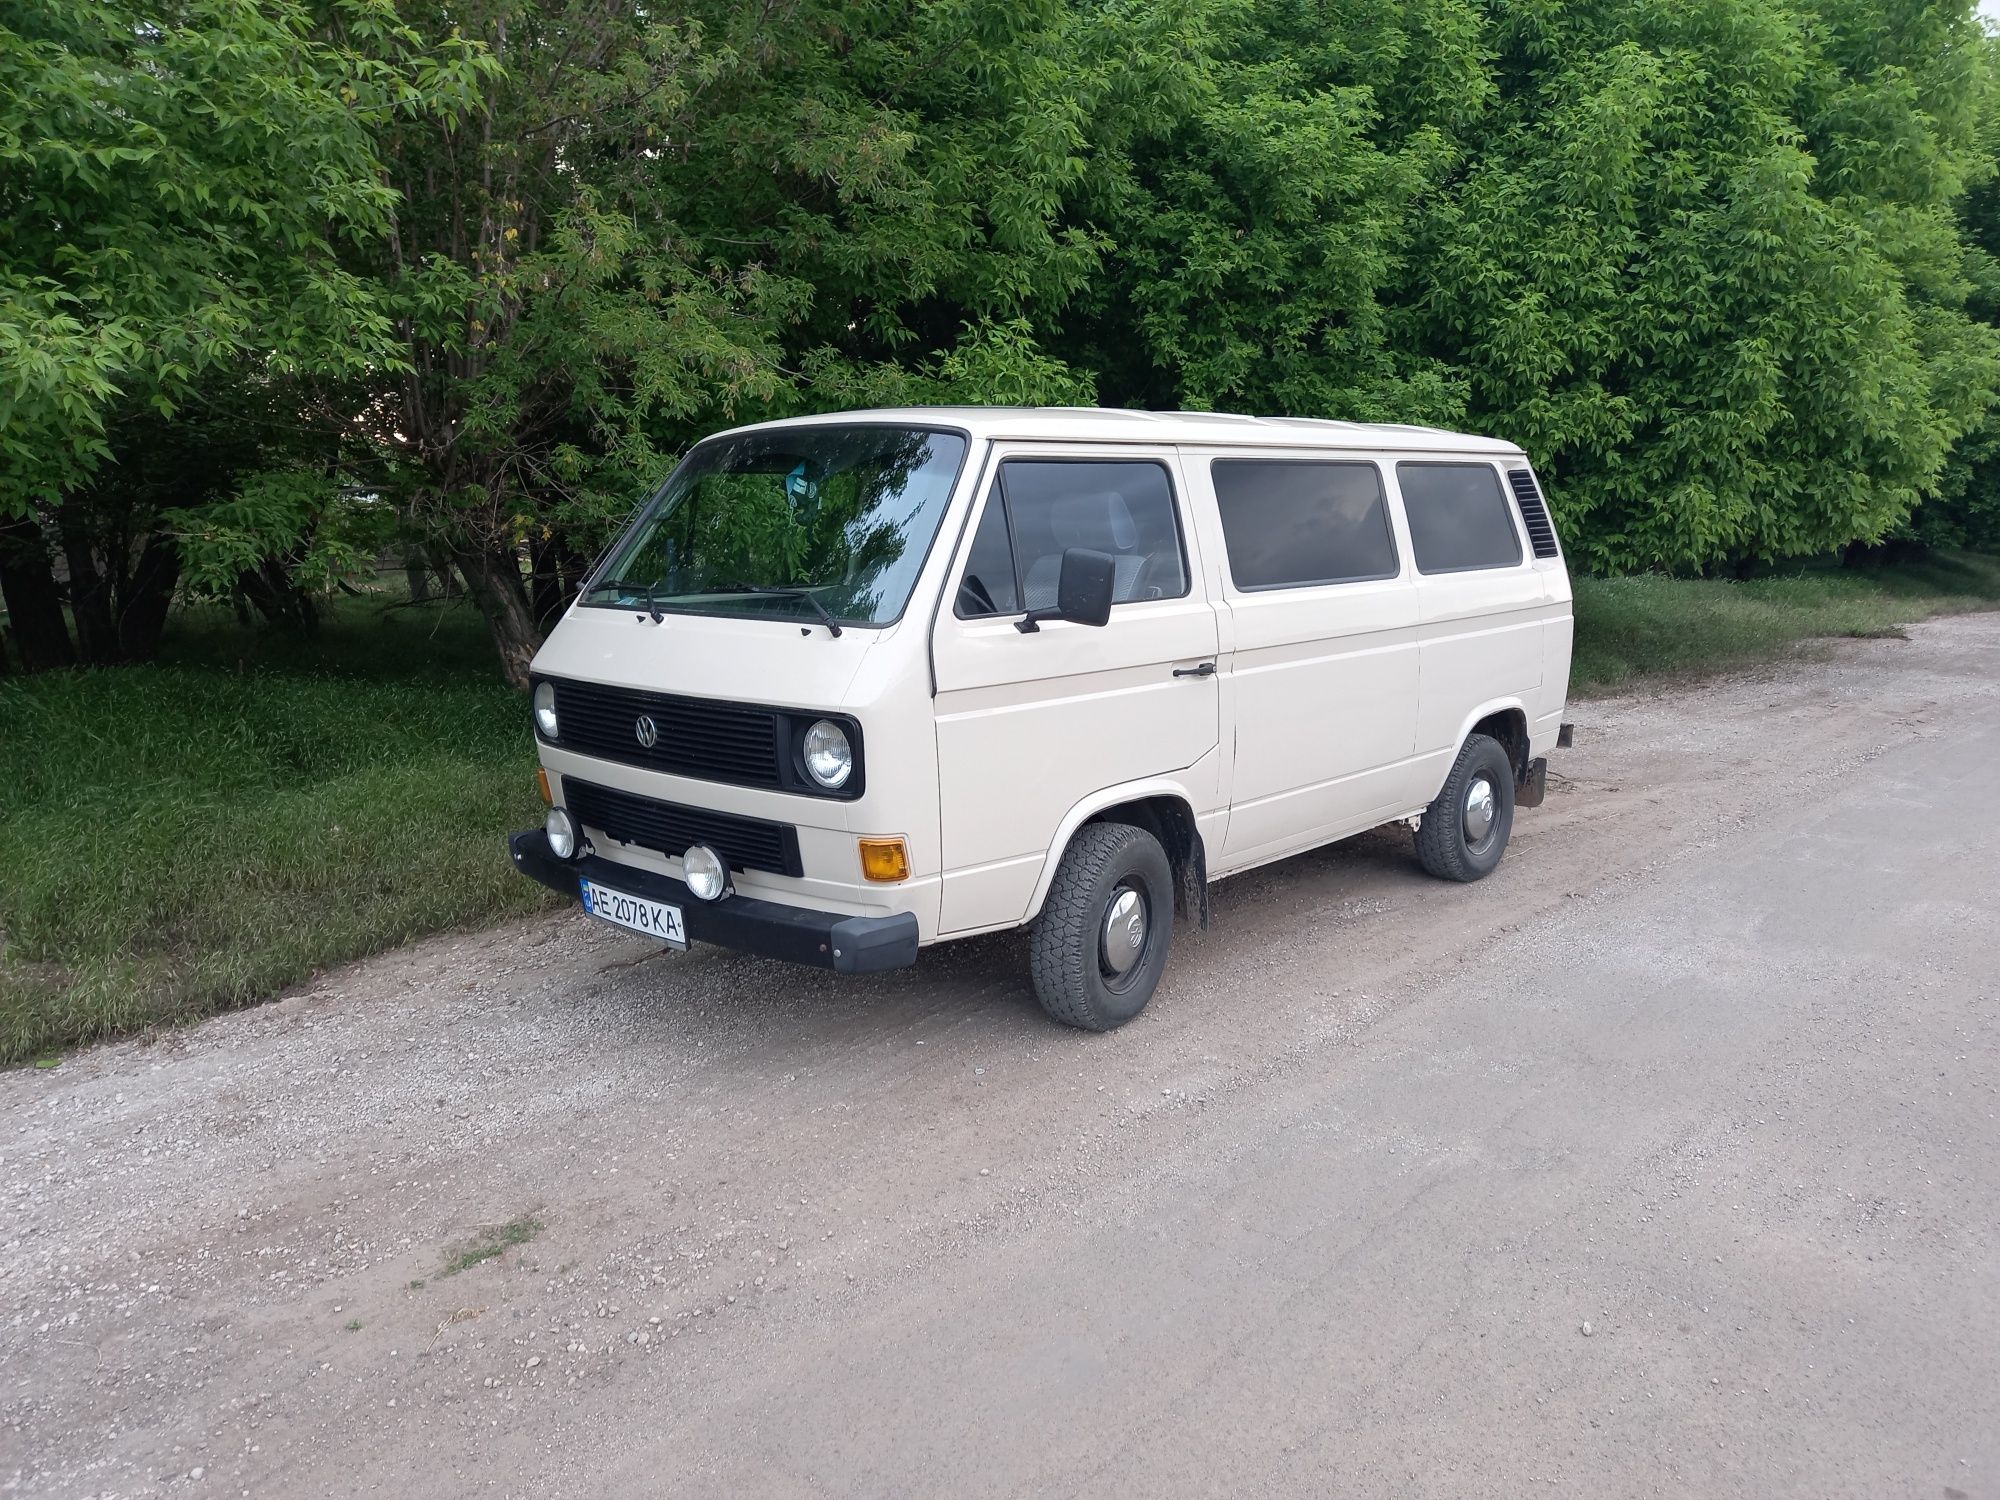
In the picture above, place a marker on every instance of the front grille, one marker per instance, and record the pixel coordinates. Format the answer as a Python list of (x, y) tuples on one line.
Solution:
[(743, 843), (697, 736), (1534, 513)]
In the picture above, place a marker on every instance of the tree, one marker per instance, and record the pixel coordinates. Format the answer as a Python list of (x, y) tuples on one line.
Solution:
[(497, 262), (1260, 172), (1964, 511), (1703, 266), (546, 305), (652, 225), (173, 186)]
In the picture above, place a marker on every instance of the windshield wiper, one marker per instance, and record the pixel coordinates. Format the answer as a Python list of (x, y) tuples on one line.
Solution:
[(804, 596), (633, 586)]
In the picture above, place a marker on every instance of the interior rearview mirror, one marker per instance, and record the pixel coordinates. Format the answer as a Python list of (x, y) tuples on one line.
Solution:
[(1083, 591)]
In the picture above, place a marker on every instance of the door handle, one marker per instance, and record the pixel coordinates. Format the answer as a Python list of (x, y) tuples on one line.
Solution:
[(1206, 669)]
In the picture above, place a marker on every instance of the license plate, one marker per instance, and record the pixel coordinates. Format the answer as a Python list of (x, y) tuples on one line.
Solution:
[(654, 918)]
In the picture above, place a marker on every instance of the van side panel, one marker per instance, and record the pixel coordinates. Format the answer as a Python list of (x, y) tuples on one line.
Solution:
[(1319, 690), (1481, 635)]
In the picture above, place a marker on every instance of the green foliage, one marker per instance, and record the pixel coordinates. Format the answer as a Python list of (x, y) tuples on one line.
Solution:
[(1705, 269), (327, 534), (1726, 268), (172, 190), (1260, 176), (1964, 510)]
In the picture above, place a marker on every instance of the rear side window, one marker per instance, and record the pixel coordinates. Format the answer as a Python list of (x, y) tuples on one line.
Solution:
[(1294, 524), (1458, 517), (1039, 508)]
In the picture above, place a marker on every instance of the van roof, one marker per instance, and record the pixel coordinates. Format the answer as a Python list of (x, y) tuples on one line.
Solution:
[(1094, 424)]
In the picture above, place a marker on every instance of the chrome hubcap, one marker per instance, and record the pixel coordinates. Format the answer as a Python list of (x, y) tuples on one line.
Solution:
[(1124, 931), (1478, 810)]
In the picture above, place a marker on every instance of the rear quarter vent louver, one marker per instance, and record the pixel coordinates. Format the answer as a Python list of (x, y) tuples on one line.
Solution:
[(1534, 512)]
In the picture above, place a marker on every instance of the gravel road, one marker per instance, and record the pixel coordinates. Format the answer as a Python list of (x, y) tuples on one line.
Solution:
[(1664, 1162)]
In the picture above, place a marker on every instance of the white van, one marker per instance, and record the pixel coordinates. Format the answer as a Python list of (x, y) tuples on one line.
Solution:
[(855, 684)]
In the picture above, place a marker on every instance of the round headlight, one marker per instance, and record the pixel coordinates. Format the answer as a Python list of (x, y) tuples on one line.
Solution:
[(707, 876), (545, 709), (829, 758), (561, 832)]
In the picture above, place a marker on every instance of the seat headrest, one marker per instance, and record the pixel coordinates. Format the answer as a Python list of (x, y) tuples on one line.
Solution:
[(1101, 521)]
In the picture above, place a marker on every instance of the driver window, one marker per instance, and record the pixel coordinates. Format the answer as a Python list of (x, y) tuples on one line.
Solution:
[(988, 585), (1124, 510)]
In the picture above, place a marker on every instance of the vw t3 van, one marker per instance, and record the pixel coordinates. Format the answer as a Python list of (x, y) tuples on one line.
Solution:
[(855, 684)]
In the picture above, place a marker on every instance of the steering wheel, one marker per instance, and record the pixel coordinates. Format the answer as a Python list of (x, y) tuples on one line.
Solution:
[(971, 592)]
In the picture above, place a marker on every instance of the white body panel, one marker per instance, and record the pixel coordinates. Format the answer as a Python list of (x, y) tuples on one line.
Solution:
[(1029, 725), (1328, 708)]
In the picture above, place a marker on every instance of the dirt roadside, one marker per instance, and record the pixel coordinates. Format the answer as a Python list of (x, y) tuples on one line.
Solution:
[(251, 1258)]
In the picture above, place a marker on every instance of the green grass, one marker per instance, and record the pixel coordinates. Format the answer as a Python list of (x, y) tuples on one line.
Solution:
[(1651, 626), (491, 1242), (188, 837)]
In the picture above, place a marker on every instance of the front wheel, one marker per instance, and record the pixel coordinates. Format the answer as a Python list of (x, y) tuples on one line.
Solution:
[(1097, 950), (1464, 832)]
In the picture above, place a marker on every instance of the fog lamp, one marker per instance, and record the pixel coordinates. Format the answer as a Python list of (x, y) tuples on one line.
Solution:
[(561, 833), (706, 875)]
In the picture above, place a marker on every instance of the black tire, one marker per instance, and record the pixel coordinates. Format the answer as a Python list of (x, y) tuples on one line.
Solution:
[(1442, 840), (1075, 981)]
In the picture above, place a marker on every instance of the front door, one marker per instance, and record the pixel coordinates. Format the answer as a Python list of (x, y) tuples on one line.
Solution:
[(1030, 724)]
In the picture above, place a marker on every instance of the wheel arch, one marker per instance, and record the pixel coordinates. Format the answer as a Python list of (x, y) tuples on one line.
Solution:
[(1503, 719), (1162, 807)]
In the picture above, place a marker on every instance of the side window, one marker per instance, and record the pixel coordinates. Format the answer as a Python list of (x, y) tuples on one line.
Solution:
[(1043, 507), (987, 586), (1293, 524), (1458, 517)]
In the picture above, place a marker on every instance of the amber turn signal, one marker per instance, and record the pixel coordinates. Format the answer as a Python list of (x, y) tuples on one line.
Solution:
[(885, 859), (542, 781)]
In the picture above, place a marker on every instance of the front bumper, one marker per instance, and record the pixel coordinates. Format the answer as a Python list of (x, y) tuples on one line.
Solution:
[(797, 934)]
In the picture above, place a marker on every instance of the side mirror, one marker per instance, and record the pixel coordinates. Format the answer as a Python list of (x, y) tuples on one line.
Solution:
[(1083, 591)]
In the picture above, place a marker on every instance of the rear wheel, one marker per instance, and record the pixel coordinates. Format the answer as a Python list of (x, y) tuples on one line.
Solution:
[(1464, 832), (1097, 950)]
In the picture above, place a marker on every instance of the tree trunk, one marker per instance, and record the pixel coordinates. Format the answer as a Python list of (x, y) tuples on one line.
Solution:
[(419, 574), (34, 603), (494, 581), (548, 598), (277, 598), (142, 613), (575, 568), (90, 594)]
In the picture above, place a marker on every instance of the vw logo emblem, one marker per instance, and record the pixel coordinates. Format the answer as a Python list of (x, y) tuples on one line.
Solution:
[(647, 731)]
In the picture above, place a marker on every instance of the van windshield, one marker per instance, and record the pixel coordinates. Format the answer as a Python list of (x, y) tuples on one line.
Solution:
[(800, 523)]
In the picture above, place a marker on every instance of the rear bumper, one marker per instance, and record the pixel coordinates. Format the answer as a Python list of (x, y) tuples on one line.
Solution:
[(797, 934)]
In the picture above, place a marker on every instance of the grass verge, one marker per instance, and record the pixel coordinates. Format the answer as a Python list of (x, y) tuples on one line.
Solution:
[(192, 836), (1628, 628)]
